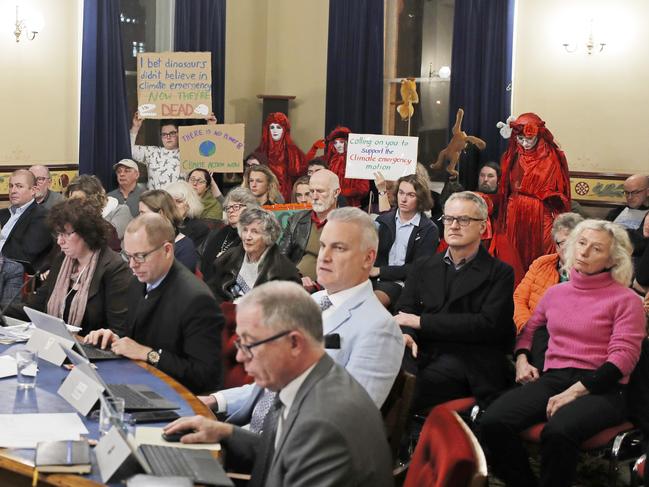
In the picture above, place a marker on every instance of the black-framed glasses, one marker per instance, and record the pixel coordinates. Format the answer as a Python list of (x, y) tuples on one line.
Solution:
[(633, 193), (41, 179), (63, 235), (141, 257), (197, 181), (169, 134), (246, 348), (463, 220), (234, 207)]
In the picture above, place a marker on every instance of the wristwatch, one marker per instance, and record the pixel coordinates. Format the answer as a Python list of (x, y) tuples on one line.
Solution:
[(153, 357)]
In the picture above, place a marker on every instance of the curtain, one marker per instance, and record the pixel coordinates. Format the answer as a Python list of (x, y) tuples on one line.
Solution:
[(481, 69), (104, 121), (200, 27), (355, 66)]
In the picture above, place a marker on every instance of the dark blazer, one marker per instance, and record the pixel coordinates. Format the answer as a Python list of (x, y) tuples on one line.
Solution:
[(474, 320), (30, 239), (181, 318), (333, 435), (106, 306), (274, 267), (422, 243), (296, 235)]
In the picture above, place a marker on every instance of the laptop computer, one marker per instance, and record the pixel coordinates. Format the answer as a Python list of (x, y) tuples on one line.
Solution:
[(164, 461), (137, 397)]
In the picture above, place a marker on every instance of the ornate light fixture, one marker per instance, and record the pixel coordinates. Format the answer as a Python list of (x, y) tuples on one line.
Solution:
[(590, 45), (28, 26)]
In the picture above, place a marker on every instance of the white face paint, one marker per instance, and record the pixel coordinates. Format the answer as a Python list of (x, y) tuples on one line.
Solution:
[(526, 143), (339, 145), (276, 131)]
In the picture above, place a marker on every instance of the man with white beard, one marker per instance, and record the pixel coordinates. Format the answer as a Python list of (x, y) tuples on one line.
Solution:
[(301, 239)]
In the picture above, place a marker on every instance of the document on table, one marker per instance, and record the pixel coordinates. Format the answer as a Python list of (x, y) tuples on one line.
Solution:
[(26, 430), (148, 435), (8, 366)]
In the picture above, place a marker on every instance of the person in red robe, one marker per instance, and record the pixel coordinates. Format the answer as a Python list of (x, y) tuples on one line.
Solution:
[(354, 190), (534, 189), (285, 158)]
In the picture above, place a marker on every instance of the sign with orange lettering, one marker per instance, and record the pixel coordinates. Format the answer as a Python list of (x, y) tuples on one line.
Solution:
[(174, 84)]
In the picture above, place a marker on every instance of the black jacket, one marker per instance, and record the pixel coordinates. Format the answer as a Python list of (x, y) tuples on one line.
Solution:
[(474, 320), (422, 243), (106, 306), (30, 239), (296, 235), (274, 267), (181, 318)]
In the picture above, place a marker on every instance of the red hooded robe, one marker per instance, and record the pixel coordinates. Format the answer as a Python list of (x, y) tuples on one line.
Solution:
[(285, 158), (354, 190), (534, 189)]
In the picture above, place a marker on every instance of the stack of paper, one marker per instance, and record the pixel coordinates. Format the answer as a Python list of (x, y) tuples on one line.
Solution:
[(16, 333), (26, 430)]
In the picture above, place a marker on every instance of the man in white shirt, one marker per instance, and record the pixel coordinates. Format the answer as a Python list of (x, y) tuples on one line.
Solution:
[(636, 192)]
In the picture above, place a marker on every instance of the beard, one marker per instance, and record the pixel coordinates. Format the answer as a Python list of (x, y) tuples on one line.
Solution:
[(322, 205), (485, 188)]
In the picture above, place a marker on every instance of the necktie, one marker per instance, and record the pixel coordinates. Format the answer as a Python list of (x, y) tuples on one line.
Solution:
[(325, 303), (266, 451), (260, 410)]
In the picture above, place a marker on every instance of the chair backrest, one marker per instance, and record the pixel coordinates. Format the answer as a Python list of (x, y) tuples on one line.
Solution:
[(396, 409), (234, 374), (447, 454)]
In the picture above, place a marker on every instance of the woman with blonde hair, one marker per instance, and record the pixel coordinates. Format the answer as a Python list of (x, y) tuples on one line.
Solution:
[(596, 326), (190, 207), (263, 183)]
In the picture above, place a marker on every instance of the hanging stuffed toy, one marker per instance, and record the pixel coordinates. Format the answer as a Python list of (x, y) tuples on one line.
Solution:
[(455, 147), (409, 96)]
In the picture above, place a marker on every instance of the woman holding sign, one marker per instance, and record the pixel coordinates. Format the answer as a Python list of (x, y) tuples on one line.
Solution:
[(211, 199), (355, 190)]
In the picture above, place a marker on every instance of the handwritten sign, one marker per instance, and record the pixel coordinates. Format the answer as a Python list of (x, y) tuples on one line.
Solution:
[(393, 155), (217, 148), (174, 84)]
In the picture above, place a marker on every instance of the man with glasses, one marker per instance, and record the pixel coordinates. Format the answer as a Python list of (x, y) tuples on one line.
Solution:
[(300, 241), (323, 428), (456, 312), (636, 192), (44, 196), (173, 321), (128, 190)]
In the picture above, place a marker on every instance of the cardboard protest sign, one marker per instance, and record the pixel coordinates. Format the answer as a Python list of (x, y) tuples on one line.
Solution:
[(217, 148), (174, 84), (394, 156)]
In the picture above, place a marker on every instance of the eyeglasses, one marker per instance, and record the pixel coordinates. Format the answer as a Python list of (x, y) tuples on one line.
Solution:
[(141, 257), (633, 193), (463, 220), (234, 207), (41, 179), (168, 134), (63, 235), (560, 243), (246, 349), (197, 181)]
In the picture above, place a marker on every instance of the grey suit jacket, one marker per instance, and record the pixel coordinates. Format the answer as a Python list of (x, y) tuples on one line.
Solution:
[(333, 435)]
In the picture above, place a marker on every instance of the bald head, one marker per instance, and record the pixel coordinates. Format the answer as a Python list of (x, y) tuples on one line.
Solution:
[(325, 188), (636, 191), (325, 177)]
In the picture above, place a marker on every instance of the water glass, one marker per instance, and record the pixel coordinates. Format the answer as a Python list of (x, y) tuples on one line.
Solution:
[(111, 413), (27, 368)]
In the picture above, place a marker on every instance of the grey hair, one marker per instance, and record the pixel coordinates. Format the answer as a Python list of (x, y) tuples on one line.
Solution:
[(566, 221), (359, 219), (269, 224), (285, 306), (477, 200), (240, 195), (182, 190), (620, 251)]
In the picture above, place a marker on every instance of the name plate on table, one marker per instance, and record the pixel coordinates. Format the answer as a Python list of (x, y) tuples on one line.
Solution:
[(49, 346), (80, 390), (114, 457)]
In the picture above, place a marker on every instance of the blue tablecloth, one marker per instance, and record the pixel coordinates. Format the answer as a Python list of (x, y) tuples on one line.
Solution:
[(44, 399)]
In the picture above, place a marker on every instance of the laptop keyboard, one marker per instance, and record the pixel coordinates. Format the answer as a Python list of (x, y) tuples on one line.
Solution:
[(169, 461), (131, 398)]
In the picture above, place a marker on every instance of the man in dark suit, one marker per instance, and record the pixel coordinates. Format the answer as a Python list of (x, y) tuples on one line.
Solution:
[(457, 313), (25, 239), (173, 320), (324, 429)]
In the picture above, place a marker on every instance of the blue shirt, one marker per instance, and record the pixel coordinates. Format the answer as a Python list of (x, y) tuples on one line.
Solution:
[(16, 212), (397, 255)]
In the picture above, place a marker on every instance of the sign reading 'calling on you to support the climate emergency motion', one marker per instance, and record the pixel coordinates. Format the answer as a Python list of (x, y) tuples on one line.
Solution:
[(394, 156), (174, 84)]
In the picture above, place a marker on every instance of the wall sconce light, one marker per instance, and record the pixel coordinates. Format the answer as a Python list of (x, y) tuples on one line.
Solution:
[(443, 73), (590, 45), (29, 25)]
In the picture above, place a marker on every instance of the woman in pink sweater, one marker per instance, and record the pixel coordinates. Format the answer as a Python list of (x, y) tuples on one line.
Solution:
[(596, 326)]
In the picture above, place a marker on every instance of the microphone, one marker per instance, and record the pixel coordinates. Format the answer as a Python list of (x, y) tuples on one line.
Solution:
[(332, 341), (36, 274)]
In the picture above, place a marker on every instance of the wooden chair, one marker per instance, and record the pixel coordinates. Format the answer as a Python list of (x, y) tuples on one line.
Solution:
[(447, 454), (396, 410)]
